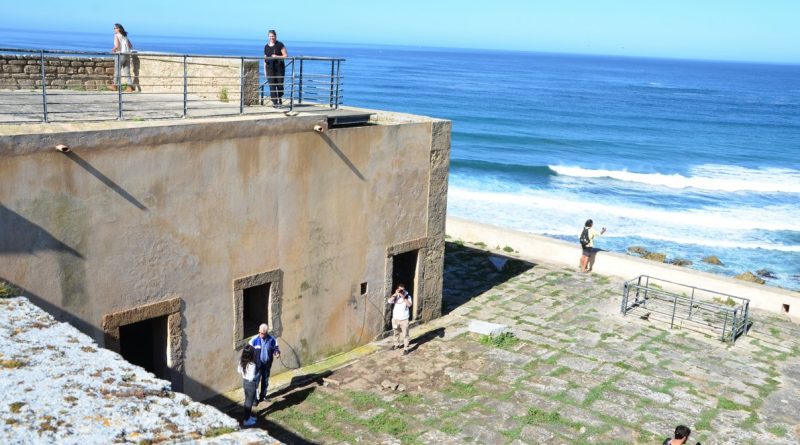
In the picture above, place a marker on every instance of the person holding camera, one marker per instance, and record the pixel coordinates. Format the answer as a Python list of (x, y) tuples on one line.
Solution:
[(587, 245), (401, 301)]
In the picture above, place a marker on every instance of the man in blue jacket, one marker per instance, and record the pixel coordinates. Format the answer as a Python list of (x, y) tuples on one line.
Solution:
[(266, 348)]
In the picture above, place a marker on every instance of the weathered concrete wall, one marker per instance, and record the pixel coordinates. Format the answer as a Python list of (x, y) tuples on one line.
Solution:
[(141, 215)]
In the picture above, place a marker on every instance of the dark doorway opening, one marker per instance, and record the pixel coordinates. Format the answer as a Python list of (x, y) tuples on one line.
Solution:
[(255, 308), (404, 270), (145, 344)]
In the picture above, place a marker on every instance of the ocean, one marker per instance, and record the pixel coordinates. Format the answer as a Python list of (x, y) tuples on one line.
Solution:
[(686, 158)]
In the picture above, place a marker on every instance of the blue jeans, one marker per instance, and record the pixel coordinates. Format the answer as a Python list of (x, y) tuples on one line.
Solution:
[(264, 369), (249, 396)]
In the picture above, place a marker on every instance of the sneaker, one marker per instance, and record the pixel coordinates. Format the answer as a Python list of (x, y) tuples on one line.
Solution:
[(250, 422)]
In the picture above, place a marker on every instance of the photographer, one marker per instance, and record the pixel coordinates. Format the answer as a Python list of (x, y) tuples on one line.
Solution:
[(401, 300)]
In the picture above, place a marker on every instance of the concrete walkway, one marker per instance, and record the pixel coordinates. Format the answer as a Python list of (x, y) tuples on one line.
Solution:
[(575, 371)]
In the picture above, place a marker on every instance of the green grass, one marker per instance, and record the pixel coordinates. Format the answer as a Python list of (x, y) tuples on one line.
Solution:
[(8, 290), (388, 422), (704, 419), (409, 399), (596, 392), (778, 430), (363, 401), (480, 244), (458, 389), (508, 249), (223, 95), (504, 340), (750, 422), (561, 370), (730, 405), (214, 432)]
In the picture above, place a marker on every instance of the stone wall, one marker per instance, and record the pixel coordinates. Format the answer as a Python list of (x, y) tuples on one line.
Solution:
[(19, 72), (140, 214), (207, 77)]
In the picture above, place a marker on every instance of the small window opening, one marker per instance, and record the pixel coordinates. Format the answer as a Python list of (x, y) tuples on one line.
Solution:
[(364, 288), (145, 344), (786, 308)]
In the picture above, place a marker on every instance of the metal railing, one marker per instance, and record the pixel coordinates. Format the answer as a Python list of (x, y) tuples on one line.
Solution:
[(57, 85), (727, 314)]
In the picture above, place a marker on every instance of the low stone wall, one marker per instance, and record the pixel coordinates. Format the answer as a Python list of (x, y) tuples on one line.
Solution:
[(19, 72), (214, 78)]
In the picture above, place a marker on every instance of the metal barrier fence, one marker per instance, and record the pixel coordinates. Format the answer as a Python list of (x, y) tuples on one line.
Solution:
[(54, 85), (725, 313)]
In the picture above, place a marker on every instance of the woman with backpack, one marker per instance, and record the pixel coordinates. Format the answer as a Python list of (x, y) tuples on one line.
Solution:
[(587, 244)]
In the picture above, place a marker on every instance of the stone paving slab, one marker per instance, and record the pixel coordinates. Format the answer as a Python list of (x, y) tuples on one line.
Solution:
[(576, 372)]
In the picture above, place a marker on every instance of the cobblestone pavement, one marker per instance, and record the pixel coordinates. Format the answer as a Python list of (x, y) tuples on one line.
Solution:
[(576, 371)]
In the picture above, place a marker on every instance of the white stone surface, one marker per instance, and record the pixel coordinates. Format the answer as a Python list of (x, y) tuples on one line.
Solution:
[(58, 386), (486, 328)]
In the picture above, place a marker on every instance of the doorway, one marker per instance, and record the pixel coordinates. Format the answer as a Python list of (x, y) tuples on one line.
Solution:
[(145, 344), (404, 271)]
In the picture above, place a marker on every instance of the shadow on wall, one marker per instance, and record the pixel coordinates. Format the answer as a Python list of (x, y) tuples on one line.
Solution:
[(468, 273), (342, 156), (19, 235), (104, 179)]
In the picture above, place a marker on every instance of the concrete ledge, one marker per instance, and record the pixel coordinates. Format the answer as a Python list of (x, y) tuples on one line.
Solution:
[(544, 249)]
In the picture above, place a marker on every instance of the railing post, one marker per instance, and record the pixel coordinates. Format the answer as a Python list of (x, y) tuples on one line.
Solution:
[(338, 80), (291, 87), (691, 303), (44, 93), (300, 84), (118, 64), (674, 307), (185, 88), (332, 73), (241, 87)]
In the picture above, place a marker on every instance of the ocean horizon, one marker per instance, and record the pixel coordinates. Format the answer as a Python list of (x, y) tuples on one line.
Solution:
[(683, 157)]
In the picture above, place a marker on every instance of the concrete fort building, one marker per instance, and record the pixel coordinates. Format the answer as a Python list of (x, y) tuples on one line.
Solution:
[(171, 240)]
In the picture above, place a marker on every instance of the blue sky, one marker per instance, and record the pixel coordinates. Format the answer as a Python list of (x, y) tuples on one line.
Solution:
[(747, 30)]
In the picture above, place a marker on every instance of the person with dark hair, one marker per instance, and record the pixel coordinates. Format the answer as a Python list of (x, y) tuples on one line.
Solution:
[(249, 370), (275, 67), (587, 245), (401, 302), (266, 348), (681, 436), (122, 65)]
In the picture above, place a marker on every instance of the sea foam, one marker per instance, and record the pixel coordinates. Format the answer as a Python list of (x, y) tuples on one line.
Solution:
[(722, 178)]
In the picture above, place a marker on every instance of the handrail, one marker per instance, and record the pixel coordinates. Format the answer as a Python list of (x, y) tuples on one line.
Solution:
[(79, 78)]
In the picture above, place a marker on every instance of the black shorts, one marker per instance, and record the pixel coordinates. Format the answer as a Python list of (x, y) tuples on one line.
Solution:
[(588, 250)]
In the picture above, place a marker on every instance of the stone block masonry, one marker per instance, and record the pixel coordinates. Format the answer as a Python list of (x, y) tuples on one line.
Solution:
[(20, 72)]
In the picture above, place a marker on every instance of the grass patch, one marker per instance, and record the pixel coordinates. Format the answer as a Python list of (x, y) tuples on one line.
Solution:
[(363, 401), (223, 95), (561, 370), (669, 383), (508, 249), (730, 405), (390, 423), (11, 364), (480, 244), (409, 399), (8, 290), (504, 340), (778, 430), (536, 416), (596, 392), (750, 422), (555, 293), (449, 428), (214, 432), (16, 407), (704, 419), (729, 302), (458, 389)]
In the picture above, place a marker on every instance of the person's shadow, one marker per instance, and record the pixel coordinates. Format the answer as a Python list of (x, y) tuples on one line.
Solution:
[(425, 338)]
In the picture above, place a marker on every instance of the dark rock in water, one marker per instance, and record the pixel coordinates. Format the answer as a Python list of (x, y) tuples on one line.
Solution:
[(749, 276), (654, 256), (712, 259), (680, 262), (764, 273), (638, 250)]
